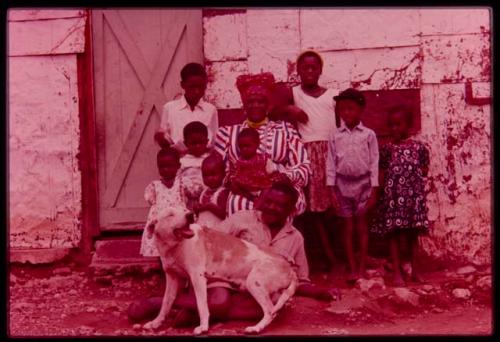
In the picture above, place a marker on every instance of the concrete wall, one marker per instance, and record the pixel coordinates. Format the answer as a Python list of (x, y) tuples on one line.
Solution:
[(44, 179), (435, 50)]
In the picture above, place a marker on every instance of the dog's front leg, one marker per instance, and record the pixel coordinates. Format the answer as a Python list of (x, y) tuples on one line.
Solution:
[(171, 286), (199, 283)]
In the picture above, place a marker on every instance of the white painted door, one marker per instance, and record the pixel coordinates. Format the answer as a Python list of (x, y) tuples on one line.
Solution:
[(138, 55)]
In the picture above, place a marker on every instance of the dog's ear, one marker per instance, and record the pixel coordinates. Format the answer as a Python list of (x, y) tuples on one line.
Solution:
[(150, 228), (183, 233)]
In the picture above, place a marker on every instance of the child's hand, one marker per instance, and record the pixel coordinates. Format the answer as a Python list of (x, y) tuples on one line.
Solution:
[(197, 207), (372, 200), (302, 117), (425, 171), (335, 201), (160, 139), (297, 114)]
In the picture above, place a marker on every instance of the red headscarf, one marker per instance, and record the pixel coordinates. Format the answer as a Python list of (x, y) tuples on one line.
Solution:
[(255, 84)]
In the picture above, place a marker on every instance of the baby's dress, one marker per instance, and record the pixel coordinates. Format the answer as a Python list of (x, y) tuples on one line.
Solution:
[(402, 205), (160, 197), (254, 173)]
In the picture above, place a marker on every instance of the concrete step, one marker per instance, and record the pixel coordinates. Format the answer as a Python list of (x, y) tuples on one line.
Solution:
[(113, 254)]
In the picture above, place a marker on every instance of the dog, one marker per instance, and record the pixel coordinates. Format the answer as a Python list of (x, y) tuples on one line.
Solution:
[(204, 254)]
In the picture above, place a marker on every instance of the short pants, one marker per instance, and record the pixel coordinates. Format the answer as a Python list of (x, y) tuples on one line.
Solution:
[(352, 195)]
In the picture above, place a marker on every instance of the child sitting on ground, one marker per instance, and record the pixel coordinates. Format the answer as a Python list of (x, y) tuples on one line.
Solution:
[(190, 107), (211, 207), (402, 211), (352, 175), (195, 139), (253, 171)]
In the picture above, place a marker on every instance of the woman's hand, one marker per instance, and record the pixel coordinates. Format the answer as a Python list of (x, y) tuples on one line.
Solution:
[(239, 189), (329, 294), (318, 292)]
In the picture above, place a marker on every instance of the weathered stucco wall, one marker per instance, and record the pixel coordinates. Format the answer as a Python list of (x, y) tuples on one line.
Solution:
[(44, 179), (434, 50)]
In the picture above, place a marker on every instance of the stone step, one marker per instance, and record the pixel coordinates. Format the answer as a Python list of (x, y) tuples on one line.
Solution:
[(121, 253), (118, 248)]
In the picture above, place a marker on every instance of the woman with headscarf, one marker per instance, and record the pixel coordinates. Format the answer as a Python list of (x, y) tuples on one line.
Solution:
[(279, 141)]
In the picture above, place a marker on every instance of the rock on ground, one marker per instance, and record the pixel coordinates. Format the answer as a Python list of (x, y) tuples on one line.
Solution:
[(402, 295), (366, 285), (466, 270), (461, 293), (484, 283)]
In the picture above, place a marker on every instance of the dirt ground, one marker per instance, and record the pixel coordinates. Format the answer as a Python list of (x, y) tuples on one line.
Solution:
[(68, 300)]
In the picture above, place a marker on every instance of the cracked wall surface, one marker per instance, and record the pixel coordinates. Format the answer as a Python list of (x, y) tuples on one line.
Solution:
[(434, 50), (44, 177)]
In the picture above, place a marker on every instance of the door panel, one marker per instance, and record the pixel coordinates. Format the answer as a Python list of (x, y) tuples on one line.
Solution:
[(138, 55)]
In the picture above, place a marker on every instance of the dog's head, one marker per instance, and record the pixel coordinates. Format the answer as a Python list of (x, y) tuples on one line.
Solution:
[(171, 224)]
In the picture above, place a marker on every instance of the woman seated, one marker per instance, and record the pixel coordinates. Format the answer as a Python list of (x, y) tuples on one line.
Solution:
[(279, 141)]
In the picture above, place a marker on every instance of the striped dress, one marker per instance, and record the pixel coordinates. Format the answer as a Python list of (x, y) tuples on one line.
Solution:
[(281, 142)]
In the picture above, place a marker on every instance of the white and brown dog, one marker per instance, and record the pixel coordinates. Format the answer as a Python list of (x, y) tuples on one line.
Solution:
[(204, 254)]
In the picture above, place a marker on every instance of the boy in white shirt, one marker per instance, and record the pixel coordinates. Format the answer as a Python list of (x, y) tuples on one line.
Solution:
[(190, 107)]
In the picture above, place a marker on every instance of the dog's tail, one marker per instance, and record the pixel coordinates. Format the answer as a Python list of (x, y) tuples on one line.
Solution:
[(286, 294)]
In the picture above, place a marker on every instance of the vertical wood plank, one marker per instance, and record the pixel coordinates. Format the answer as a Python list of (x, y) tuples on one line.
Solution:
[(128, 66)]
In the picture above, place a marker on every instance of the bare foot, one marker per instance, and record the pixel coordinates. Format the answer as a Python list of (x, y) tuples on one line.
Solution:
[(362, 273), (416, 278), (397, 280), (185, 318), (352, 278)]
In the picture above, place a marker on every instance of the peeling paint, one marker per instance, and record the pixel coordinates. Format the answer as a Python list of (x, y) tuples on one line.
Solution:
[(44, 179), (453, 59), (461, 181), (397, 78)]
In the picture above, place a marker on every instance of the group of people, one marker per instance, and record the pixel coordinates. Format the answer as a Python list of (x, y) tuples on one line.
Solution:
[(300, 149)]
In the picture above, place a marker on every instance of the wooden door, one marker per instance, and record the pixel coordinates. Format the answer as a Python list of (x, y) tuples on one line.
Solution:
[(138, 55)]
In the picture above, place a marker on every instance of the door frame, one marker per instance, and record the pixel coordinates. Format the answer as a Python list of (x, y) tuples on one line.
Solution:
[(87, 157)]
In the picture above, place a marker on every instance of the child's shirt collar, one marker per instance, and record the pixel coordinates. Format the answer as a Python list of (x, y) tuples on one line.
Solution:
[(183, 104), (343, 127)]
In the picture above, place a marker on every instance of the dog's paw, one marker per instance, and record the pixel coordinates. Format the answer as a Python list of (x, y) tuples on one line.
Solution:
[(154, 324), (200, 330), (252, 330)]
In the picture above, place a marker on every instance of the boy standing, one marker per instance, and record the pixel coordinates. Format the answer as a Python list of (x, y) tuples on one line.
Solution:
[(352, 174), (189, 107)]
